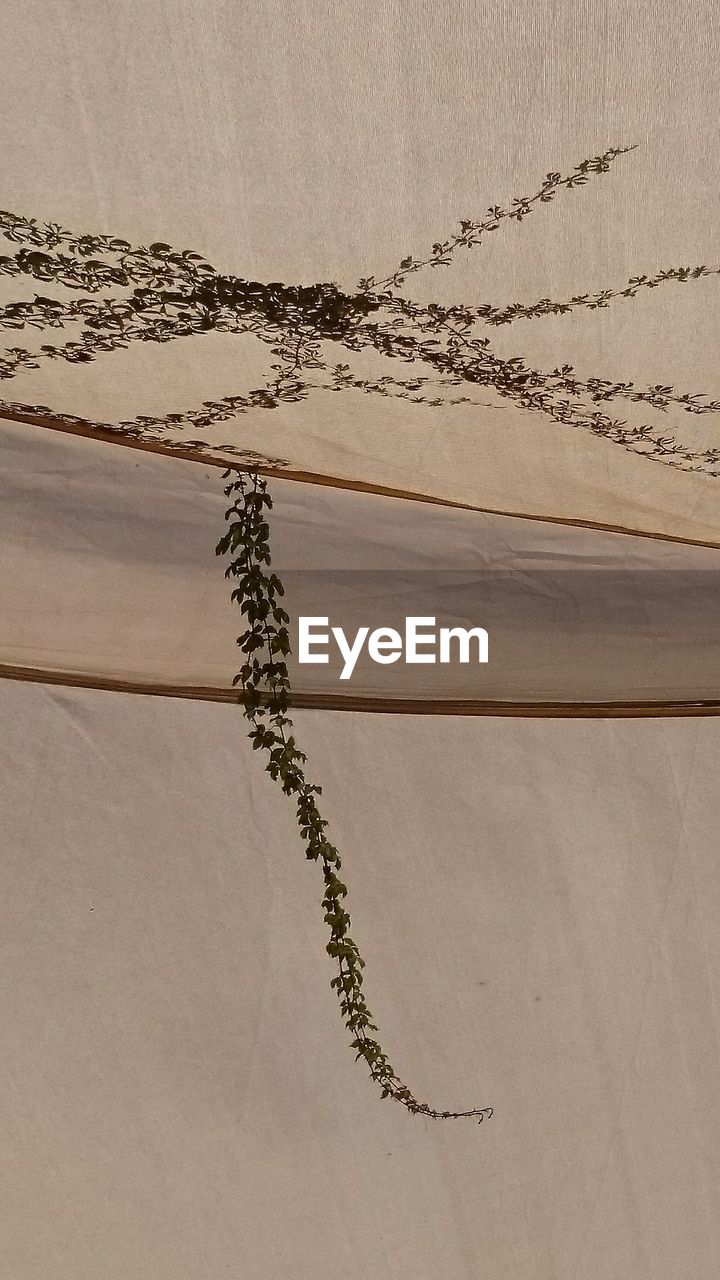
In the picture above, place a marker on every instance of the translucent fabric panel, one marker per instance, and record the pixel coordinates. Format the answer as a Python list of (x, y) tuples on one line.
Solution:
[(107, 571)]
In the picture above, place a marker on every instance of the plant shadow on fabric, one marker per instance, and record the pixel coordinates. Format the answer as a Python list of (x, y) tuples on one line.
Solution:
[(177, 294)]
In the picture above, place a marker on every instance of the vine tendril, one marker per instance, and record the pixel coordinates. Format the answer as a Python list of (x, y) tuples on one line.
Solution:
[(265, 694)]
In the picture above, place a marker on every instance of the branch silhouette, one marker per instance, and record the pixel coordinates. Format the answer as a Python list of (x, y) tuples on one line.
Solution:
[(265, 684), (161, 295)]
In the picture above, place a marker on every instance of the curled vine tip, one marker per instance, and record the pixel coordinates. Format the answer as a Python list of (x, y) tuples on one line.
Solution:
[(265, 696)]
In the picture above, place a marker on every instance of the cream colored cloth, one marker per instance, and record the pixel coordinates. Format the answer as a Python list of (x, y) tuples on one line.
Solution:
[(302, 143), (537, 900), (538, 906), (107, 570)]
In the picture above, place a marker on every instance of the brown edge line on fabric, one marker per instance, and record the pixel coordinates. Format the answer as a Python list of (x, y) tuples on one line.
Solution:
[(89, 431), (384, 706)]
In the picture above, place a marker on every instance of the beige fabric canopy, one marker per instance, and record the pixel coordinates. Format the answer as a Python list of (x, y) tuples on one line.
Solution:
[(120, 555), (286, 237), (302, 145), (538, 902)]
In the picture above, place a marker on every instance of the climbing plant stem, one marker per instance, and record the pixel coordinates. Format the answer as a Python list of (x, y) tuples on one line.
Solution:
[(264, 687)]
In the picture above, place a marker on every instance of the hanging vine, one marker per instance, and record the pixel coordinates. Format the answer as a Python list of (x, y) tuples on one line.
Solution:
[(165, 295), (265, 694)]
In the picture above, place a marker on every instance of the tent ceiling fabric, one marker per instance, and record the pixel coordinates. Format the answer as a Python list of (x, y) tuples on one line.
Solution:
[(539, 906), (282, 235), (329, 145), (119, 553)]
